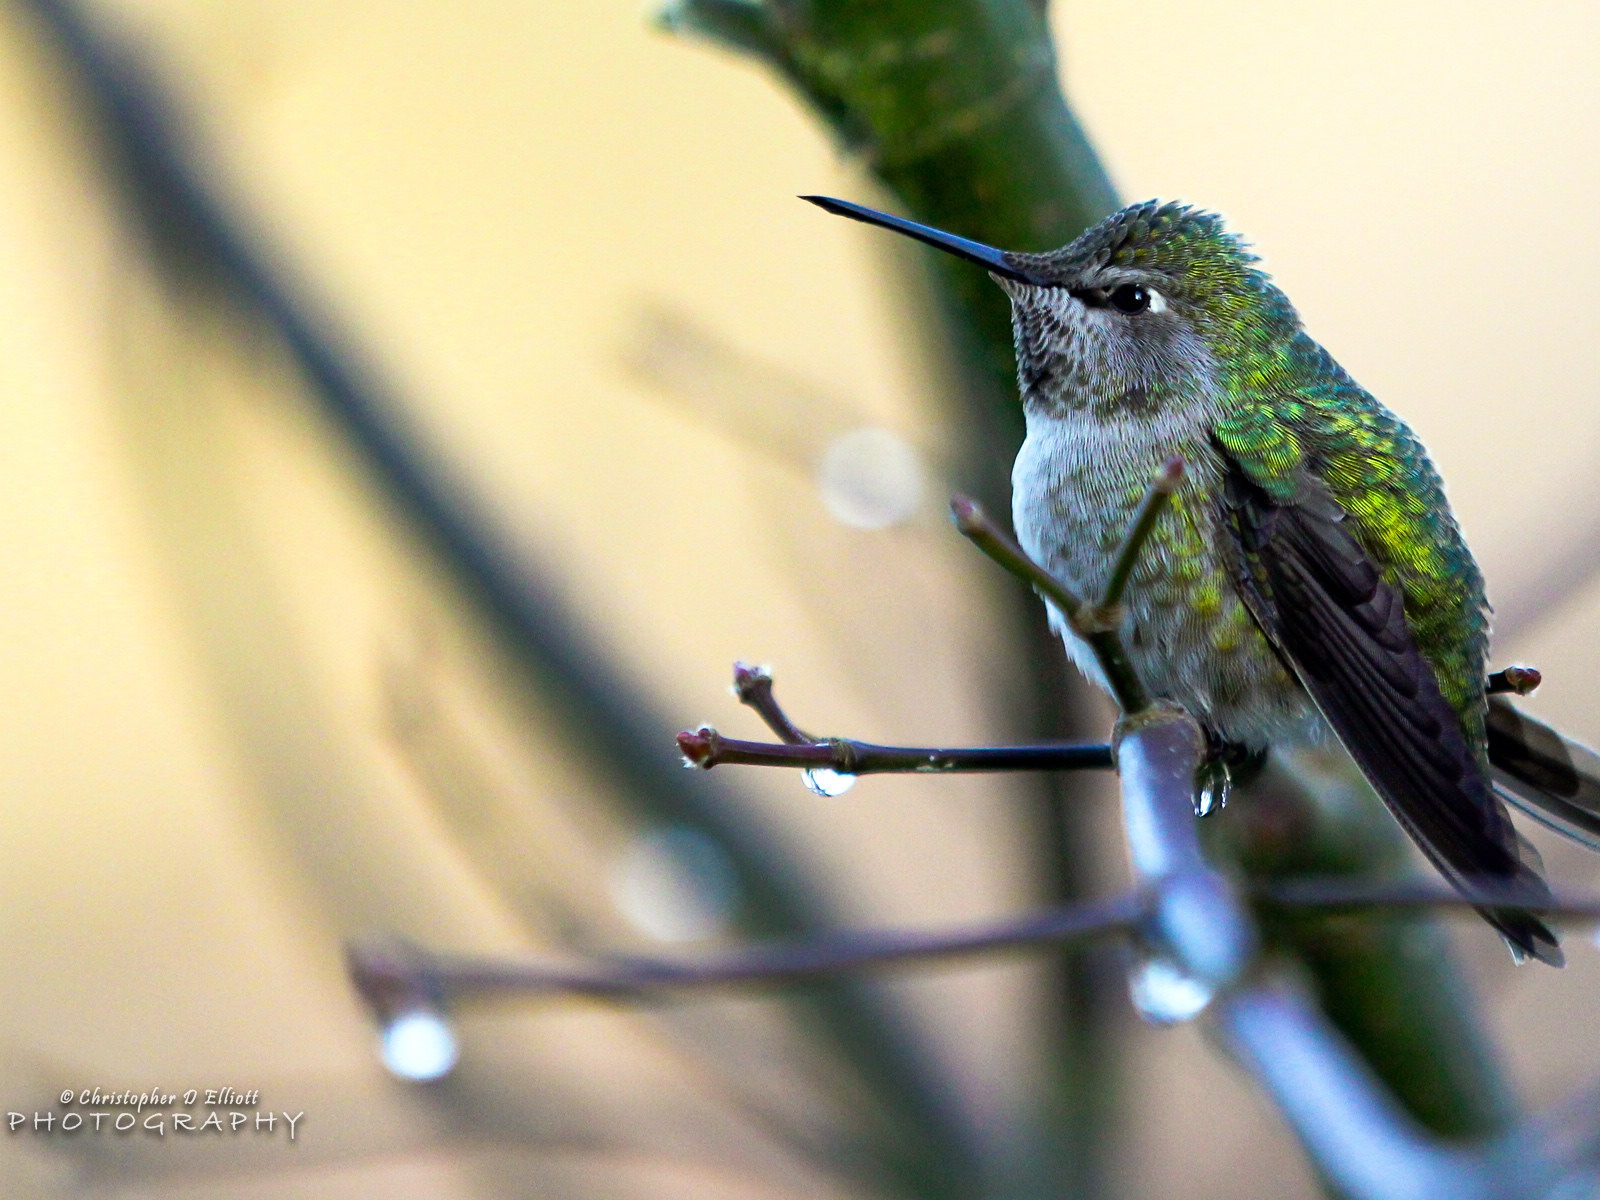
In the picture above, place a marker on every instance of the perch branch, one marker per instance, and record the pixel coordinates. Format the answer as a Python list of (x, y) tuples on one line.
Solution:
[(706, 748), (1198, 920), (1358, 1135), (390, 971), (383, 972)]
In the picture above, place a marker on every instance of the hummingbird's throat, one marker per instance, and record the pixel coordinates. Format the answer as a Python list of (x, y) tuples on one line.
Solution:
[(1073, 357)]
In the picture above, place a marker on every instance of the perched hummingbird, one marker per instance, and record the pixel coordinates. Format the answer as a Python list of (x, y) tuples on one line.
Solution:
[(1308, 576)]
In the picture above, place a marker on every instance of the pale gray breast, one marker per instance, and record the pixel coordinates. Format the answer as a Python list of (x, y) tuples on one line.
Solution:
[(1078, 481), (1075, 488)]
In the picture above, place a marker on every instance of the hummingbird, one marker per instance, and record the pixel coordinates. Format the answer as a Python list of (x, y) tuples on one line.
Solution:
[(1308, 580)]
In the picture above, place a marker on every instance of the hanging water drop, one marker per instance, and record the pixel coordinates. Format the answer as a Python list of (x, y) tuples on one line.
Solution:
[(1166, 995), (826, 782), (420, 1045)]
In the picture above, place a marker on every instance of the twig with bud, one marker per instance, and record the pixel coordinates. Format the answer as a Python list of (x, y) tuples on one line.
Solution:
[(705, 747), (1096, 622), (1514, 681), (384, 972)]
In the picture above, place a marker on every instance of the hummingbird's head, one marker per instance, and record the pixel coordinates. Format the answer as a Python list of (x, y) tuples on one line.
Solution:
[(1145, 312)]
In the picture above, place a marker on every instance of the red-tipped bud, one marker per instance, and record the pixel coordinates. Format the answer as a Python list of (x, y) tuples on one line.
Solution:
[(698, 747), (968, 514), (1520, 681), (747, 680)]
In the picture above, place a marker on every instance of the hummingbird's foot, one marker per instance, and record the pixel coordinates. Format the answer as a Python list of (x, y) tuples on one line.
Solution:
[(1127, 723), (1225, 765)]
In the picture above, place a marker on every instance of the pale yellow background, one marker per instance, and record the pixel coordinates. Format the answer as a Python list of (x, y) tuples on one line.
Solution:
[(207, 620)]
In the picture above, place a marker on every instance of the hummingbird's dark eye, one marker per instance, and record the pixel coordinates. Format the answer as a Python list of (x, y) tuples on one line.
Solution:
[(1129, 298)]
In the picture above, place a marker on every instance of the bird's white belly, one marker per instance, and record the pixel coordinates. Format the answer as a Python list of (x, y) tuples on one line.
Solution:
[(1076, 486)]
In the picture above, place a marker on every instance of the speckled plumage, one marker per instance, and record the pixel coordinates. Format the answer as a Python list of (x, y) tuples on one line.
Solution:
[(1308, 576), (1226, 368)]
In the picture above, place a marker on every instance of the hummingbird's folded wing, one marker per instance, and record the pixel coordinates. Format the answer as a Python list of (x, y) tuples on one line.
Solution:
[(1552, 778), (1341, 627)]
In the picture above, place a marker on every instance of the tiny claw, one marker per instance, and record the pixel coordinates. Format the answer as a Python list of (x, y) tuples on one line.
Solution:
[(698, 747)]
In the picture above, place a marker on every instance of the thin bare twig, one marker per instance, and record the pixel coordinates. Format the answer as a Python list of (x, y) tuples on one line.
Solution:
[(388, 972), (1519, 681), (1096, 624), (1144, 524), (706, 748), (976, 526)]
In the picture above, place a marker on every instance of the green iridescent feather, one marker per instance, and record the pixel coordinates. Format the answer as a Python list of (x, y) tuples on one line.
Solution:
[(1291, 409), (1298, 411)]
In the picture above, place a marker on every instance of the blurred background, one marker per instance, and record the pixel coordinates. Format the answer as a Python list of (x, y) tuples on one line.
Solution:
[(250, 712)]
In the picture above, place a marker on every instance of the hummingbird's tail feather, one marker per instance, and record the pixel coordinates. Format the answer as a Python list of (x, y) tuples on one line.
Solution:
[(1525, 934), (1552, 778)]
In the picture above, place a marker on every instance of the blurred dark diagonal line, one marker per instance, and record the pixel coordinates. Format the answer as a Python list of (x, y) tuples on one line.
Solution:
[(910, 1120)]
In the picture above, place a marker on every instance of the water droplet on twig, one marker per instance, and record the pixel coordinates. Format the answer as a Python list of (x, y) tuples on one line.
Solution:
[(419, 1044), (1164, 994), (825, 781)]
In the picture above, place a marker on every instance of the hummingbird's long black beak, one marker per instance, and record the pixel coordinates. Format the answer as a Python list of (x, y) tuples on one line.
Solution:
[(995, 261)]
